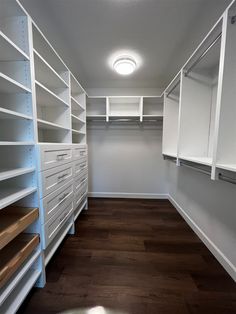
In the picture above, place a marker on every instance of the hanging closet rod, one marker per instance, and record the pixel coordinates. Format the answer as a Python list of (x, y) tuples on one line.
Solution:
[(203, 54), (195, 168), (226, 178), (173, 88)]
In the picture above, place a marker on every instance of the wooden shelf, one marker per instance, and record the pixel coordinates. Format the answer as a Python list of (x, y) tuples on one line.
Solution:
[(9, 196), (46, 74), (14, 255), (12, 173), (46, 125), (14, 220), (10, 114), (8, 85), (45, 97), (10, 51)]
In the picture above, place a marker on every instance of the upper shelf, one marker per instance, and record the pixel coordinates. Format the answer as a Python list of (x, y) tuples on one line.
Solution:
[(8, 85), (10, 51)]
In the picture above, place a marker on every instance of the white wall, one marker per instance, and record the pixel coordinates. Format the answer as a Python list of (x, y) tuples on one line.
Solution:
[(210, 207), (126, 161)]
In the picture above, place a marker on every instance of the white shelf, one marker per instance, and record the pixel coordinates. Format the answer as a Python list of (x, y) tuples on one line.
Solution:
[(10, 114), (11, 173), (7, 143), (152, 116), (77, 119), (78, 132), (228, 167), (46, 125), (173, 155), (46, 97), (100, 116), (207, 161), (10, 51), (8, 85), (76, 103), (46, 74), (9, 196)]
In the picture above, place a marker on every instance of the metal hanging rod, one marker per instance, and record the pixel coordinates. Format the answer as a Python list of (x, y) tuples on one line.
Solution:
[(173, 88), (226, 178), (195, 168), (203, 54)]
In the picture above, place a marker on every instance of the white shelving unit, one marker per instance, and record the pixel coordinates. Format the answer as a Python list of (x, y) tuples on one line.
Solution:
[(78, 111), (124, 107), (171, 117), (199, 95), (18, 184), (96, 108), (152, 108)]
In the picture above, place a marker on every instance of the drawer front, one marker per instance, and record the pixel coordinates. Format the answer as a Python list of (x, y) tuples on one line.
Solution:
[(56, 222), (51, 156), (80, 181), (54, 201), (55, 178), (79, 152), (80, 194), (80, 166)]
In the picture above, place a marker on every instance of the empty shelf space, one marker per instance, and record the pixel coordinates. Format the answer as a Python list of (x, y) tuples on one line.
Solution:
[(12, 173), (46, 74), (78, 132), (14, 254), (47, 97), (199, 160), (8, 85), (46, 125), (9, 51), (228, 167), (14, 220), (10, 114), (76, 119), (9, 196), (75, 104)]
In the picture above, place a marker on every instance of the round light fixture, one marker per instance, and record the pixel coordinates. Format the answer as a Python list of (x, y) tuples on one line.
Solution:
[(124, 65)]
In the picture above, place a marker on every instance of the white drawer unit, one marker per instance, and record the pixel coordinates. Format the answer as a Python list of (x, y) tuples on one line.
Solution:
[(53, 156), (79, 151), (55, 178), (54, 224), (52, 203), (79, 166)]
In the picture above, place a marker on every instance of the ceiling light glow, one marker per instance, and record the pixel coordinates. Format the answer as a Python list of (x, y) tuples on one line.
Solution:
[(124, 65)]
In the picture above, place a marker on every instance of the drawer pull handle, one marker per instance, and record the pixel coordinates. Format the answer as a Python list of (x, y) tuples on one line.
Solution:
[(61, 157), (63, 197), (63, 176)]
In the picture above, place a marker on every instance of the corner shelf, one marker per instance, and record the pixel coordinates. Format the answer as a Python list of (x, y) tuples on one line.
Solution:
[(12, 173), (14, 220), (9, 196), (14, 254), (10, 51)]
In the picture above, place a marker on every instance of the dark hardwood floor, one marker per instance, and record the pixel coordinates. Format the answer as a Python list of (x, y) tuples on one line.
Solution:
[(134, 256)]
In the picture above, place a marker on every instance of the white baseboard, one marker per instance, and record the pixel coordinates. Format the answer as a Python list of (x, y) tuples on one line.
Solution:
[(128, 195), (219, 255)]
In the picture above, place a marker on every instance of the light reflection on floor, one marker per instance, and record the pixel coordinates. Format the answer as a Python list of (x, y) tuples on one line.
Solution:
[(94, 310)]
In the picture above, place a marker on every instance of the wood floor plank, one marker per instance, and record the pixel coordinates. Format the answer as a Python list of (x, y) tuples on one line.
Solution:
[(135, 257)]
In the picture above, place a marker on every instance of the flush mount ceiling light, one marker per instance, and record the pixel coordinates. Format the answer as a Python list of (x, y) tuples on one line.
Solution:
[(124, 65)]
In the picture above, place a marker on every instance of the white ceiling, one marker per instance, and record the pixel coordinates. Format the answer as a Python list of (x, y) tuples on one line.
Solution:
[(161, 33)]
